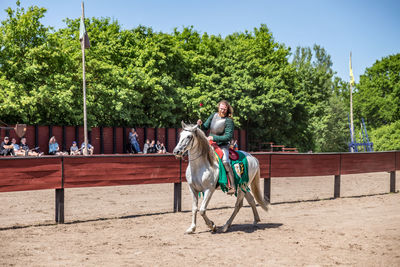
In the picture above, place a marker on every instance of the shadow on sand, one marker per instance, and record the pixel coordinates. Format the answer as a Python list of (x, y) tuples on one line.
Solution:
[(249, 227)]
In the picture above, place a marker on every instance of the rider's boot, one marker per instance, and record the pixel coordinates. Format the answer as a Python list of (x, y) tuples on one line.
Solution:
[(231, 177)]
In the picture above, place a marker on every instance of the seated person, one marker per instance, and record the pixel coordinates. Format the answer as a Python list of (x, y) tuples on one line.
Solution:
[(146, 146), (90, 148), (17, 150), (74, 149), (54, 149), (152, 148), (160, 148), (30, 152), (6, 147)]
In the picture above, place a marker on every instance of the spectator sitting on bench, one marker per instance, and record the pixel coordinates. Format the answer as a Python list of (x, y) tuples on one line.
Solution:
[(74, 149), (6, 147), (152, 148), (146, 146), (160, 148), (17, 150), (29, 152), (90, 148), (54, 149)]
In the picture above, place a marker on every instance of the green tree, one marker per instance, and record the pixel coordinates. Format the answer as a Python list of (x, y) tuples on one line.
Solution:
[(377, 98), (386, 137), (334, 133), (314, 86)]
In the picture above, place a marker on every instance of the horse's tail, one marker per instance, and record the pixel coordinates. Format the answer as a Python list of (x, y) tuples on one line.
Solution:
[(255, 188)]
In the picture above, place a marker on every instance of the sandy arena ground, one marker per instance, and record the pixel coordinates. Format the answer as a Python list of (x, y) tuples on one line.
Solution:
[(135, 226)]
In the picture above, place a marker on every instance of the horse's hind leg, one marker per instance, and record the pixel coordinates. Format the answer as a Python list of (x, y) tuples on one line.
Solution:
[(238, 205), (250, 199), (195, 200), (207, 196)]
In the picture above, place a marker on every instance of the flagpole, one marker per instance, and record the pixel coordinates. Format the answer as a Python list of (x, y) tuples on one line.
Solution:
[(351, 105), (84, 88)]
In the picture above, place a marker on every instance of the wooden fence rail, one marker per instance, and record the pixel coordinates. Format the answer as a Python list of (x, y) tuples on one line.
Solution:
[(58, 172)]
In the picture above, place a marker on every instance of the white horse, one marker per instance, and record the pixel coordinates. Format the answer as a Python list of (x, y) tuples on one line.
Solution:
[(202, 176)]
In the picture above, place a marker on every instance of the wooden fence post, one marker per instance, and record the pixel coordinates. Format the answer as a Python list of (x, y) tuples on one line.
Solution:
[(267, 189), (60, 205), (393, 182), (336, 191), (60, 197), (178, 190)]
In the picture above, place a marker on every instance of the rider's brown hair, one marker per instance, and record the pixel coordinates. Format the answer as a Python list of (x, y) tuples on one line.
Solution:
[(230, 109)]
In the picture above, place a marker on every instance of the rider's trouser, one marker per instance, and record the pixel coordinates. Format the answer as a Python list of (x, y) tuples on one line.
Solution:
[(227, 165)]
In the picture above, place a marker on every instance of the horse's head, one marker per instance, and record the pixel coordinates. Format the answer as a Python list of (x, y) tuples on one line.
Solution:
[(187, 139)]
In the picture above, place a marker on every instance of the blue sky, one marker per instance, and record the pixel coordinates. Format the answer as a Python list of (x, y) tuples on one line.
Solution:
[(370, 29)]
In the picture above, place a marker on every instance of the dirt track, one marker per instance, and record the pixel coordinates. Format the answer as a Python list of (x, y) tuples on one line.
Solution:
[(134, 226)]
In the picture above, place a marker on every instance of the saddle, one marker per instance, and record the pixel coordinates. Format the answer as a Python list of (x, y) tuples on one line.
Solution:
[(233, 155)]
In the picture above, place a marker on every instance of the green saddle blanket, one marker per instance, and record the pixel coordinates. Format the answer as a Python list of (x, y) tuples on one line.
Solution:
[(240, 171)]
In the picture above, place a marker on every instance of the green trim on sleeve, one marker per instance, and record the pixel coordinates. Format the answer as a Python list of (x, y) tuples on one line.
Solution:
[(205, 126)]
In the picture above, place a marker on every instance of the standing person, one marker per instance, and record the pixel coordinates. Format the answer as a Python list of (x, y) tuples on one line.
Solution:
[(6, 147), (221, 129), (134, 141)]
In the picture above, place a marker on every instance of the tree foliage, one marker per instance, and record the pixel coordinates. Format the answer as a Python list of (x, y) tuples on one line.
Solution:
[(138, 77), (377, 99), (378, 93)]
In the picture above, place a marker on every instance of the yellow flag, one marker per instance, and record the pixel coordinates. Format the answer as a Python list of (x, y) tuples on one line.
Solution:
[(351, 73)]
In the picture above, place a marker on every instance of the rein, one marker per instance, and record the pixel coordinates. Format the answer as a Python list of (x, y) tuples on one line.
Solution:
[(195, 158), (191, 146)]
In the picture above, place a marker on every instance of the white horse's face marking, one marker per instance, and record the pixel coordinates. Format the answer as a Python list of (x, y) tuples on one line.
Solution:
[(185, 143), (187, 140)]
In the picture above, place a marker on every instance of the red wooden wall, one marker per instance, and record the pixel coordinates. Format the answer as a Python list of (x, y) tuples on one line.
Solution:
[(20, 174), (52, 172), (120, 170)]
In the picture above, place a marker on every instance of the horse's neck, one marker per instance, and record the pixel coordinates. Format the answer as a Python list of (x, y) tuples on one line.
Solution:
[(197, 161), (196, 158)]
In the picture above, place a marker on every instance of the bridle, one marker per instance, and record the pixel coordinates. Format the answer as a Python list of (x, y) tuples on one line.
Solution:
[(191, 146)]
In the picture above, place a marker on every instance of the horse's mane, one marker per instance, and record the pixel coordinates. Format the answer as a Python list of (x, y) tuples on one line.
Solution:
[(204, 146)]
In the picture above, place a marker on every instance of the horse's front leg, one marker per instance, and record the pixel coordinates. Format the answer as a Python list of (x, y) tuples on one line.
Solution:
[(207, 196), (195, 200)]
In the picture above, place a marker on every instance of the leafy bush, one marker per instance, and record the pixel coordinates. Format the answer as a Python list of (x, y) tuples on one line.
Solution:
[(387, 137)]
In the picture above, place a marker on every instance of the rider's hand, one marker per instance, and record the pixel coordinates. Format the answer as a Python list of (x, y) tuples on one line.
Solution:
[(199, 122), (210, 138)]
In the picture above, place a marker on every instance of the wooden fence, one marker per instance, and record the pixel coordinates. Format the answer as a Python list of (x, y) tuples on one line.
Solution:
[(58, 172)]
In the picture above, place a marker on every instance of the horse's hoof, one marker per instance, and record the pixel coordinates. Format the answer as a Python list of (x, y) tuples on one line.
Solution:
[(256, 222), (213, 228), (224, 228), (190, 231)]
